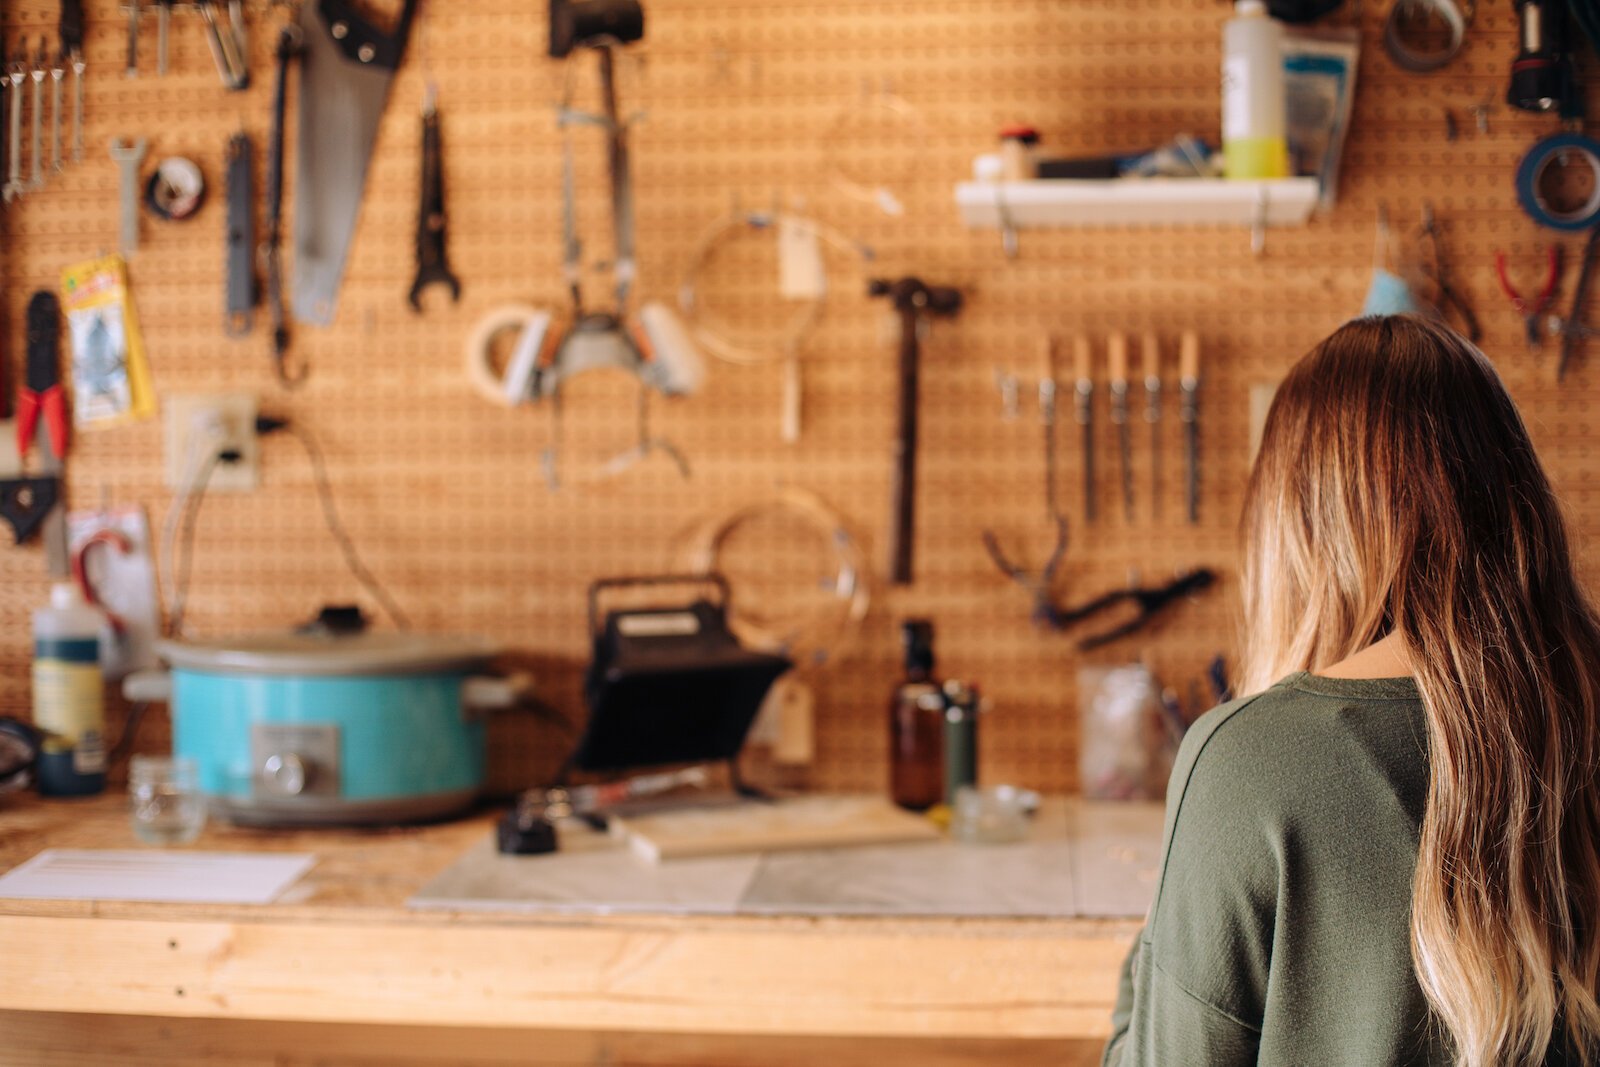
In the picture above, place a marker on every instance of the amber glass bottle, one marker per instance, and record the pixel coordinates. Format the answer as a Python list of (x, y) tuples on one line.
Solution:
[(916, 725)]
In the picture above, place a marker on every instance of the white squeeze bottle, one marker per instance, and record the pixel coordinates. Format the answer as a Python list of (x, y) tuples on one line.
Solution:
[(69, 694), (1254, 105)]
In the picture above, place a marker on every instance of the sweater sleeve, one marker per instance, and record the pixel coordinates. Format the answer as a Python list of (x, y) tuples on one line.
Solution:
[(1193, 988)]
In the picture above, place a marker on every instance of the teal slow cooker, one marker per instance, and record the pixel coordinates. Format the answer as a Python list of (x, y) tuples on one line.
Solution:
[(326, 729)]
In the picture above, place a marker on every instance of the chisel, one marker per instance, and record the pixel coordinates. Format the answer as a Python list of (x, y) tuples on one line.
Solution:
[(1152, 415), (1189, 389), (1117, 366), (1085, 391)]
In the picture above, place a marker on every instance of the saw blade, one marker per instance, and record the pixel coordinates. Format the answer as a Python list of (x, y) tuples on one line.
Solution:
[(341, 103)]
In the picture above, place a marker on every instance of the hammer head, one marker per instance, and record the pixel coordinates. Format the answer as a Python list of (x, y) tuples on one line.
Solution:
[(913, 294)]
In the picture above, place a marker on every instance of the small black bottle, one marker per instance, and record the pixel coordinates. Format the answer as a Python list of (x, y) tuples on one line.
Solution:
[(916, 724)]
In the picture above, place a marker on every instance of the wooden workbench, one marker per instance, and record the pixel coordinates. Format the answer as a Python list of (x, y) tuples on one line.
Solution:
[(340, 973)]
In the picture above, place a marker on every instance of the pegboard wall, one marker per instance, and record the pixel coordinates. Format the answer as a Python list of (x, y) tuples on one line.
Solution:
[(444, 493)]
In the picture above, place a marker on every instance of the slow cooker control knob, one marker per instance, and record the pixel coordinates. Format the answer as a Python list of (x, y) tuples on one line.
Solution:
[(286, 773)]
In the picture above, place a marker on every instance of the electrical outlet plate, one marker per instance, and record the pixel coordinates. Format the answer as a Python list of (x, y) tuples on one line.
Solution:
[(187, 419)]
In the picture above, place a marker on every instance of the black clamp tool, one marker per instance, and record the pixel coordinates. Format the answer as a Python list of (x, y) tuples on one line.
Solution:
[(433, 264), (1148, 602)]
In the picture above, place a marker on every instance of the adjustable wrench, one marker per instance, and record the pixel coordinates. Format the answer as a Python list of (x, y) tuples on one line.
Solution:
[(128, 157), (58, 71), (69, 28), (40, 69)]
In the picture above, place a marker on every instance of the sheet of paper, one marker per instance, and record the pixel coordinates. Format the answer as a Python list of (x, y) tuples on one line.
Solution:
[(165, 877)]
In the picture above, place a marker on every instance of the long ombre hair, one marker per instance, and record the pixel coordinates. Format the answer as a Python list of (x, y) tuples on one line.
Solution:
[(1397, 491)]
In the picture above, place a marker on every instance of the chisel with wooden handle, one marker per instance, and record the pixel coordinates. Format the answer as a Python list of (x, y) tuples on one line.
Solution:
[(1085, 394), (1189, 389), (1117, 367), (1152, 415)]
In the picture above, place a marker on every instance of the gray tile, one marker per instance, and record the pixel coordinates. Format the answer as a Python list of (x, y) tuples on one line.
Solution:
[(599, 877), (1117, 858)]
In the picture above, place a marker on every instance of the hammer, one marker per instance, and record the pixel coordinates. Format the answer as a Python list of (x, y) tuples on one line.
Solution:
[(913, 300)]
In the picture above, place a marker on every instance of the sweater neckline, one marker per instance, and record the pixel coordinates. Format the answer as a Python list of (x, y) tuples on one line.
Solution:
[(1357, 688)]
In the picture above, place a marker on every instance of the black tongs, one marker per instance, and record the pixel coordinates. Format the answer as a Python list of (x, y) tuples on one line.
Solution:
[(1150, 603)]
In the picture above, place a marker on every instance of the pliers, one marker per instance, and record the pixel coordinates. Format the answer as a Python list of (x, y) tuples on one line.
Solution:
[(41, 391), (1531, 313)]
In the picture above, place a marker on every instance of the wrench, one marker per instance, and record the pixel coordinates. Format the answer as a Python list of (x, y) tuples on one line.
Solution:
[(128, 157), (58, 71), (132, 8), (14, 187), (78, 67), (40, 65), (163, 28)]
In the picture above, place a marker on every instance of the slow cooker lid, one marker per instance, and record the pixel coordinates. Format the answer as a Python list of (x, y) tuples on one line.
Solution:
[(331, 654)]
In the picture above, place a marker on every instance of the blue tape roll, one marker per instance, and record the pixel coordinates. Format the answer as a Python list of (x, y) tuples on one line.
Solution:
[(1532, 168)]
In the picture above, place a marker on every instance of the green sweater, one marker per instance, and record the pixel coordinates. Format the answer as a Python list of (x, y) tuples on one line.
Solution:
[(1280, 930)]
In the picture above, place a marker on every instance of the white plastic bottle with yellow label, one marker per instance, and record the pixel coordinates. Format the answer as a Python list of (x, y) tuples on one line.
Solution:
[(1254, 102), (69, 694)]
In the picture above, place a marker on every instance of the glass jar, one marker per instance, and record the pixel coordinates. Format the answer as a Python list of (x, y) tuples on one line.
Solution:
[(165, 800)]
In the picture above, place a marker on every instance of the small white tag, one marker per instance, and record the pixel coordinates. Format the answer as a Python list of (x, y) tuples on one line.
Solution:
[(801, 273)]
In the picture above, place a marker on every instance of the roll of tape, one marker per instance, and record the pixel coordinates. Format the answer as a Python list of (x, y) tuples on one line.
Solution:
[(175, 190), (1530, 172), (1407, 58), (531, 325)]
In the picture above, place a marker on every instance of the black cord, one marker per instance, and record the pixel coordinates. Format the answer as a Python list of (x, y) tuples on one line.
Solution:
[(330, 513)]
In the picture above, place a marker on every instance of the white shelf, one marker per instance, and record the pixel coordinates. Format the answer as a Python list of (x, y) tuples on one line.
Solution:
[(1136, 201)]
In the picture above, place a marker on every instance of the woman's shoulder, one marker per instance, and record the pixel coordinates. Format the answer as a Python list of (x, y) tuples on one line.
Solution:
[(1285, 746)]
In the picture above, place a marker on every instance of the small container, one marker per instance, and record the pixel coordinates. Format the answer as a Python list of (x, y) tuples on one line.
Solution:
[(916, 725), (165, 800), (994, 816), (69, 694), (1255, 105), (1019, 147), (961, 707)]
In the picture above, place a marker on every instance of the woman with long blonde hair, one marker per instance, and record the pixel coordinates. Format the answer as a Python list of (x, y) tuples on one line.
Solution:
[(1391, 853)]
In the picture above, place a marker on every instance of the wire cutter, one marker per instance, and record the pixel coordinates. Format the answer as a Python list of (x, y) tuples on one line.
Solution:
[(1533, 312), (41, 392)]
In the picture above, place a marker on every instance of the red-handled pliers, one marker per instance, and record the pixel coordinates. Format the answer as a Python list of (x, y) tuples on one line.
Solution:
[(1531, 315), (41, 391)]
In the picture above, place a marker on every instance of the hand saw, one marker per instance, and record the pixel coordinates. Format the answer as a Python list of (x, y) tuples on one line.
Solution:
[(347, 64)]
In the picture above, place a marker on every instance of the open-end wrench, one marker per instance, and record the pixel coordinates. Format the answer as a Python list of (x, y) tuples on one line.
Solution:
[(78, 67), (13, 187), (58, 70), (41, 67), (433, 263), (128, 157)]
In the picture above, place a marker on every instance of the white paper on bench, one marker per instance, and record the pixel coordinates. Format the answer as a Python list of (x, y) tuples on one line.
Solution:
[(175, 877)]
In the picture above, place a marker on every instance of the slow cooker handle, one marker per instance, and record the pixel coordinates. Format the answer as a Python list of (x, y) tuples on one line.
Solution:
[(482, 694), (148, 686)]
